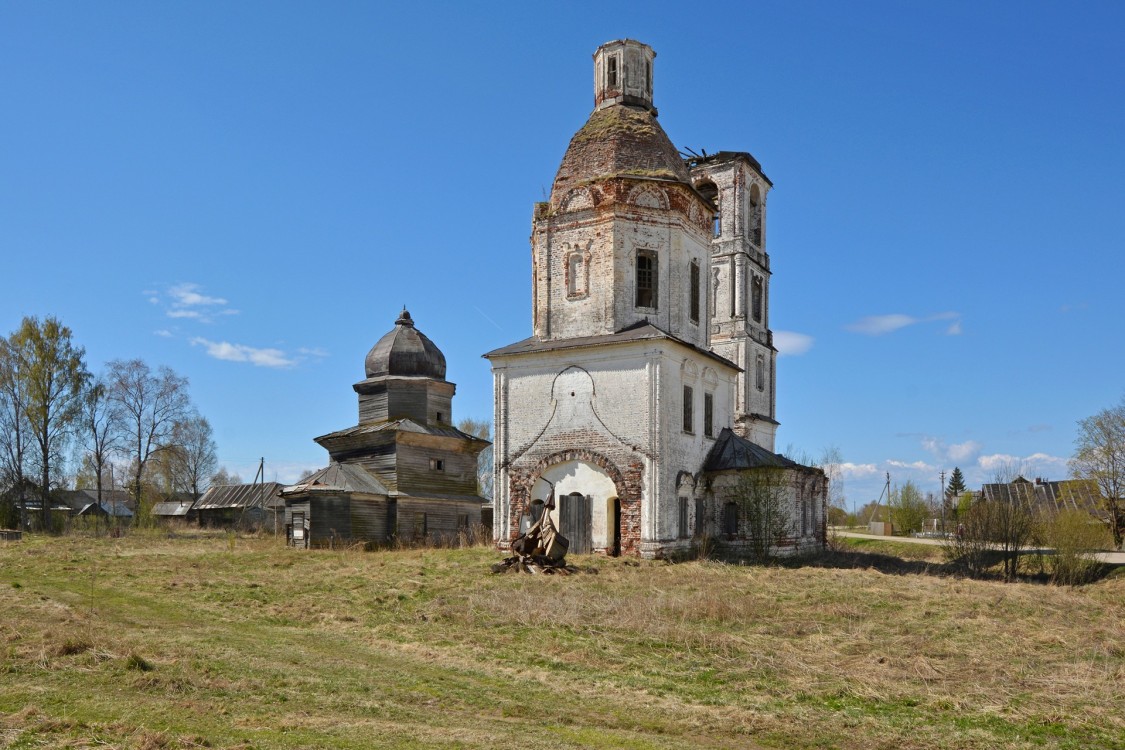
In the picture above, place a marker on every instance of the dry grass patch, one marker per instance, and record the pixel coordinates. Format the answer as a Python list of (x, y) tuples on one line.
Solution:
[(251, 644)]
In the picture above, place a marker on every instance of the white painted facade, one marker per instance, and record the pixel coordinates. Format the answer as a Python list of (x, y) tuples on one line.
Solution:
[(638, 305)]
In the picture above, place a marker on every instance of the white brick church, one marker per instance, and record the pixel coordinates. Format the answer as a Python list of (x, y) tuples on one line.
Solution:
[(646, 395)]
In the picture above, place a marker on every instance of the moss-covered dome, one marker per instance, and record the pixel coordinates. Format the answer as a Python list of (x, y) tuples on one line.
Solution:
[(618, 141), (406, 352)]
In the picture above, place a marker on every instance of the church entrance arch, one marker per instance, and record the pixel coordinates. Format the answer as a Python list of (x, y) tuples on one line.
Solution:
[(586, 508)]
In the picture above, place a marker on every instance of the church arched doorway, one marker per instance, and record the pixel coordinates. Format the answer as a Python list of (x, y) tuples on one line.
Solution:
[(586, 509)]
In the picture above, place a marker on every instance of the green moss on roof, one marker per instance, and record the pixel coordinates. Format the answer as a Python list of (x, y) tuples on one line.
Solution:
[(605, 123)]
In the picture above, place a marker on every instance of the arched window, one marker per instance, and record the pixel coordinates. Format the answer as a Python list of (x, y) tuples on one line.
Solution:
[(711, 192), (646, 279), (760, 373)]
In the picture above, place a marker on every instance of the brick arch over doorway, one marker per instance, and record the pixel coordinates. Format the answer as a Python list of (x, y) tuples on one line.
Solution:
[(627, 482)]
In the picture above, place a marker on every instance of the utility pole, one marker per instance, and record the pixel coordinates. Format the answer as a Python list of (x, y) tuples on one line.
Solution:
[(943, 502)]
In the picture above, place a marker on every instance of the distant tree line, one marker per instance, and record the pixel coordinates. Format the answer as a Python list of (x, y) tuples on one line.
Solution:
[(129, 420)]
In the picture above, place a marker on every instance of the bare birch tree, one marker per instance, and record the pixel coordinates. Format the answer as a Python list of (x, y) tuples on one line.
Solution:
[(101, 431), (193, 454), (152, 404)]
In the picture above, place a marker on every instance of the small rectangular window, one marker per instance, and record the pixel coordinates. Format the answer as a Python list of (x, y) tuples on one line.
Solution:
[(439, 416), (646, 279), (693, 292), (683, 526), (462, 520), (708, 414), (730, 519), (611, 72), (419, 525), (689, 418), (437, 464), (717, 225)]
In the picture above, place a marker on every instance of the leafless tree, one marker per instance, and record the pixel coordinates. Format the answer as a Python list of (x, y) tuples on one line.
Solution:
[(1100, 457), (101, 430), (193, 454), (763, 505), (152, 404)]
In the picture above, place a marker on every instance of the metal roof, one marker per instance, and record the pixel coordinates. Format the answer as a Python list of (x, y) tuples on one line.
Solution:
[(733, 452), (172, 509), (642, 331), (263, 495), (1067, 494)]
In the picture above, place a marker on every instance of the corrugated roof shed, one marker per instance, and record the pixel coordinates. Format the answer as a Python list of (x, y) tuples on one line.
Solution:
[(1052, 497), (172, 509), (265, 495)]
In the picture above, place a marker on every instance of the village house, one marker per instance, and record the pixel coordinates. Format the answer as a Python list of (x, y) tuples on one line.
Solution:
[(644, 401)]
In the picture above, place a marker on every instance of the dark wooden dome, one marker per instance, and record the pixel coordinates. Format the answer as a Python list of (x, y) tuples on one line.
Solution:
[(406, 352)]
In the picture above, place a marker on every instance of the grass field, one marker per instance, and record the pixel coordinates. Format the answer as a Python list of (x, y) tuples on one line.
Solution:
[(154, 642)]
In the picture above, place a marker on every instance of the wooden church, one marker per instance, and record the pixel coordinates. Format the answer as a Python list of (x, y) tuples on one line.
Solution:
[(404, 472)]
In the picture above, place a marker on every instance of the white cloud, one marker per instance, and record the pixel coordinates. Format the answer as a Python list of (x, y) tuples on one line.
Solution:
[(955, 452), (915, 466), (791, 343), (186, 301), (163, 333), (997, 461), (188, 295), (315, 352), (266, 357), (855, 471), (877, 325), (962, 451), (1036, 463)]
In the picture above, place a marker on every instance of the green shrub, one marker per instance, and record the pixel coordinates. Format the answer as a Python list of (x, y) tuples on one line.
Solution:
[(1074, 534)]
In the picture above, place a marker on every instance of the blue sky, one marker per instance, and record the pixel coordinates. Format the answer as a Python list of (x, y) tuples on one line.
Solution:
[(249, 192)]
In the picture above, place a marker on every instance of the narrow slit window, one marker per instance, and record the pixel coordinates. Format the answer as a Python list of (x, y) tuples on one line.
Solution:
[(611, 72), (709, 415), (683, 530), (646, 279), (760, 373), (689, 417), (648, 77), (693, 292), (756, 298)]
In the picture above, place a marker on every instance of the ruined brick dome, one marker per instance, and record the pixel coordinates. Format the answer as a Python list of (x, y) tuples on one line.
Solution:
[(618, 141), (405, 352)]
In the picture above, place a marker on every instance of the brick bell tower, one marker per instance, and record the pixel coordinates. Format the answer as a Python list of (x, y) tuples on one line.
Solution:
[(625, 237)]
